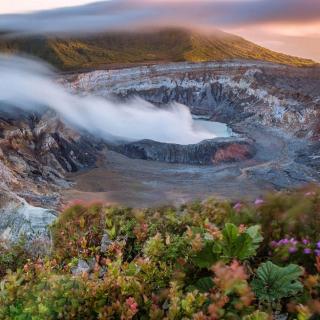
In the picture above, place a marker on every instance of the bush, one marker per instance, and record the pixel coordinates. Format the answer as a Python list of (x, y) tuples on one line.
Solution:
[(211, 260), (12, 256)]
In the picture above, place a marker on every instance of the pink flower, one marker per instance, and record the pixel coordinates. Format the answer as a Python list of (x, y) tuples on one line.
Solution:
[(307, 251), (284, 241), (310, 193), (259, 202), (292, 249), (293, 241), (238, 206), (132, 304), (274, 244)]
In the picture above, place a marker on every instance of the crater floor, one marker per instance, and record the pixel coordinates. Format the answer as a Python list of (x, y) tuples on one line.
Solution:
[(141, 183)]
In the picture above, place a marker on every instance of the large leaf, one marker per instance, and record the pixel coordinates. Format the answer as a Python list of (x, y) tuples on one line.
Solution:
[(273, 283), (254, 233), (240, 245), (234, 245)]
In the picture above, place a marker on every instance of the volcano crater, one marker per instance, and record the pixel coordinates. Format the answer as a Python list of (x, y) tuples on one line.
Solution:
[(274, 109)]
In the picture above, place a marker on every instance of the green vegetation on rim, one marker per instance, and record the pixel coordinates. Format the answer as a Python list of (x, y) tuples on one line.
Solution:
[(132, 48)]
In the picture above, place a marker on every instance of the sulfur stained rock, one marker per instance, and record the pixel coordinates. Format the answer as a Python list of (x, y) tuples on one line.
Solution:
[(232, 152)]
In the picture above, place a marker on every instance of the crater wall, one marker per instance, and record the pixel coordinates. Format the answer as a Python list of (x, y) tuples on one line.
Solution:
[(231, 92)]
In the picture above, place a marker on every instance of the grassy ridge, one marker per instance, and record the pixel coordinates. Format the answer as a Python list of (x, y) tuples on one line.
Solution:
[(134, 48)]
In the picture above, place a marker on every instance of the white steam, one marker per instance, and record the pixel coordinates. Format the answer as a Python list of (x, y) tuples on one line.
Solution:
[(29, 85)]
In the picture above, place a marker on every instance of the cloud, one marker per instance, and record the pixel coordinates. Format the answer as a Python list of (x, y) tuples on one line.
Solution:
[(29, 85), (304, 42), (15, 6), (128, 14)]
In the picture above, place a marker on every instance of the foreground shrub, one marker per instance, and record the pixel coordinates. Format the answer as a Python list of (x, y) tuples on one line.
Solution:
[(13, 256), (211, 260)]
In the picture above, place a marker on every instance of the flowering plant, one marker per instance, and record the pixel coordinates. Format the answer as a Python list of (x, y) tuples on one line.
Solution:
[(202, 261)]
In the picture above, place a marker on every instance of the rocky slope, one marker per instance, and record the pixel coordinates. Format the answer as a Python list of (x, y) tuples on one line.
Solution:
[(36, 151)]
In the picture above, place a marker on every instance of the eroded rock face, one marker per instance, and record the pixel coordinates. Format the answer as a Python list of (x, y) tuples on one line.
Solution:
[(231, 92), (37, 150), (207, 152)]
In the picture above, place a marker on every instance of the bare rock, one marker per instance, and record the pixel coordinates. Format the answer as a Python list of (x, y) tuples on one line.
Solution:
[(105, 243), (38, 149), (20, 219), (207, 152), (82, 267)]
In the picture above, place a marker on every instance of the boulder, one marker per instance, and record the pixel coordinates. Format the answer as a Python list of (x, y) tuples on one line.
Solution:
[(20, 219), (105, 243), (82, 267)]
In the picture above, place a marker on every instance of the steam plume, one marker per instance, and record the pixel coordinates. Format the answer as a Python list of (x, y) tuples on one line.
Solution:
[(28, 84)]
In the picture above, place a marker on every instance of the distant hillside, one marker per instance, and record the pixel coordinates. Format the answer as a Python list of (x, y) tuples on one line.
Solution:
[(134, 48)]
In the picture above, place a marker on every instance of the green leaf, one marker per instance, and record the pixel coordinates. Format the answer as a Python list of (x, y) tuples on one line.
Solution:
[(132, 269), (112, 232), (230, 233), (204, 284), (206, 257), (254, 233), (240, 245), (273, 283)]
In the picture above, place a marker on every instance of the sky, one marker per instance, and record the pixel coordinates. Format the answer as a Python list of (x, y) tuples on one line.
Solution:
[(289, 26), (20, 6)]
